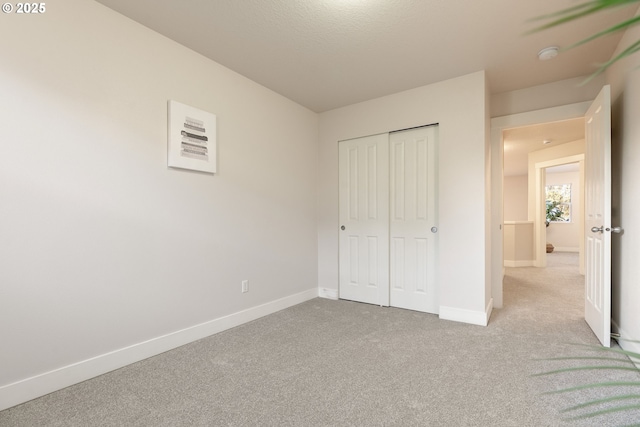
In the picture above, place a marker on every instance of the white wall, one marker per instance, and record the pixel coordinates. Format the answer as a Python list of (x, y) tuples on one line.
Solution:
[(565, 236), (563, 92), (625, 84), (104, 247), (458, 105), (515, 198)]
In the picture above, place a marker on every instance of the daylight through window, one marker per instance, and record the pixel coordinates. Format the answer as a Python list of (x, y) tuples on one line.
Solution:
[(558, 199)]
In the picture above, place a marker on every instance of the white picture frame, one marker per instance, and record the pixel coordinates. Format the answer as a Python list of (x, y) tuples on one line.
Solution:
[(191, 138)]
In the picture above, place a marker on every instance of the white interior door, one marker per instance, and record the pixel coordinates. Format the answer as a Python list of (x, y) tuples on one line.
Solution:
[(413, 224), (364, 219), (598, 217)]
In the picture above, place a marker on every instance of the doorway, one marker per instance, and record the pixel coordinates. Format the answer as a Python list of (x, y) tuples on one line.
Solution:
[(499, 170), (597, 148), (563, 204), (535, 154)]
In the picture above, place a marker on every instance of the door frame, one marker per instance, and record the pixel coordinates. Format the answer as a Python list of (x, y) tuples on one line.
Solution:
[(540, 242), (498, 125)]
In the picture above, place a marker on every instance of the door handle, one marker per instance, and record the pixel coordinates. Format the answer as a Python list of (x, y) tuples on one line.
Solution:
[(616, 230), (342, 228)]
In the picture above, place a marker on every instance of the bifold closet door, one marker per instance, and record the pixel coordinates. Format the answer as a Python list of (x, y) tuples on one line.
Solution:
[(413, 224), (364, 219)]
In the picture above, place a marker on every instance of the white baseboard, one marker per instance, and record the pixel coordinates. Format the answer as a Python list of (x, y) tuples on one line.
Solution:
[(328, 293), (565, 249), (521, 263), (39, 385), (467, 316)]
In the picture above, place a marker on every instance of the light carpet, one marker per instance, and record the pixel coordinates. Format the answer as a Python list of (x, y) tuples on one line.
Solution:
[(341, 363)]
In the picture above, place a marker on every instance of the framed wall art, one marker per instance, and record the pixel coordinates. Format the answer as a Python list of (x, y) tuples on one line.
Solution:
[(191, 138)]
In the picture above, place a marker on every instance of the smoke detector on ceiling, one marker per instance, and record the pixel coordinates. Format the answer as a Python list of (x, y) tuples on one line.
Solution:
[(548, 53)]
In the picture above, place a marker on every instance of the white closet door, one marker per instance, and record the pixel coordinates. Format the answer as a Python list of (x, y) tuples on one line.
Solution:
[(364, 219), (413, 222)]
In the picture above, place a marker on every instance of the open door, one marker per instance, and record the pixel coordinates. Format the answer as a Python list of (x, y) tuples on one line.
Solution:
[(597, 310)]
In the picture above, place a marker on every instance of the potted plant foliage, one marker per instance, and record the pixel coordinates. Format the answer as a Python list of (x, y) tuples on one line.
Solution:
[(554, 213)]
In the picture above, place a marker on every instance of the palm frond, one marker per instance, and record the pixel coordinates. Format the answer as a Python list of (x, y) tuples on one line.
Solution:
[(612, 403), (601, 401), (578, 11), (608, 359), (618, 27), (588, 368), (596, 385), (628, 51), (630, 354), (606, 411), (589, 8)]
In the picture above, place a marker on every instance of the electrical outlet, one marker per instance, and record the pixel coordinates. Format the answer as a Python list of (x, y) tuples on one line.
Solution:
[(245, 286)]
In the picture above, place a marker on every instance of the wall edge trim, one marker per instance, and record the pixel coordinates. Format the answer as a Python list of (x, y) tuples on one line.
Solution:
[(518, 263), (480, 318)]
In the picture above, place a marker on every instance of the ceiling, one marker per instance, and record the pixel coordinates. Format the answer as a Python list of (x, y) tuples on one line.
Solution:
[(325, 54), (519, 142)]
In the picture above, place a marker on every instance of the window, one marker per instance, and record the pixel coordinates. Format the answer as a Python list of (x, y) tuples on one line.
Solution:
[(558, 199)]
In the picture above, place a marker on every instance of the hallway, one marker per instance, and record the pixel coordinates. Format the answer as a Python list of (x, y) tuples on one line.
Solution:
[(558, 288)]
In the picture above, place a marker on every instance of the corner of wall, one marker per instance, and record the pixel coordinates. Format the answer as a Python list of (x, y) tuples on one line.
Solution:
[(472, 317)]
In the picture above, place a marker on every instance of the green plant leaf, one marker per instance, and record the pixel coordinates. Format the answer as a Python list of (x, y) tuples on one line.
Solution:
[(596, 385), (588, 368), (627, 353), (588, 8), (600, 401), (609, 355), (571, 14), (607, 411), (611, 359), (619, 27)]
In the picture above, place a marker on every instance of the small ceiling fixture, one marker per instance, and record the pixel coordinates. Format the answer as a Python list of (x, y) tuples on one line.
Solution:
[(548, 53), (546, 141)]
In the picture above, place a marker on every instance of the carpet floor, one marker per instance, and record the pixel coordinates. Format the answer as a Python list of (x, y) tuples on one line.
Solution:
[(341, 363)]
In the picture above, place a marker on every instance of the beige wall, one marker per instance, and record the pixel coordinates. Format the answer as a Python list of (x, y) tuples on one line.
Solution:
[(515, 198), (106, 251), (458, 105), (518, 244)]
